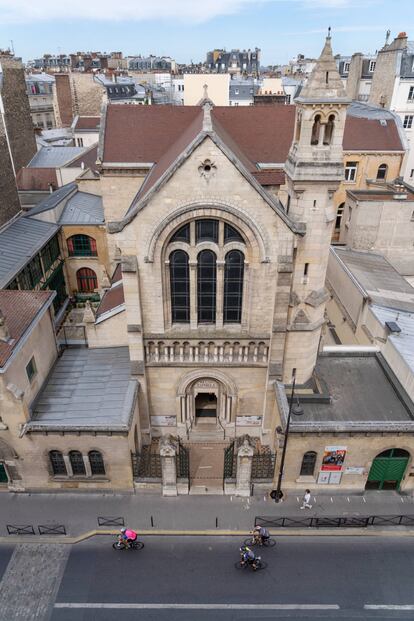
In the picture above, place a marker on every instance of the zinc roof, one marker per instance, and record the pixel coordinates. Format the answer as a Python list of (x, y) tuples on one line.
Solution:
[(83, 208), (19, 242), (55, 157), (404, 340)]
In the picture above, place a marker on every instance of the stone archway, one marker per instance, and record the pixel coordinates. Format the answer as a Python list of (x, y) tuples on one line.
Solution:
[(207, 382)]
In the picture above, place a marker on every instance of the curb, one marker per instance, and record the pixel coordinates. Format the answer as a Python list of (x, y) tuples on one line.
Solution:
[(284, 532)]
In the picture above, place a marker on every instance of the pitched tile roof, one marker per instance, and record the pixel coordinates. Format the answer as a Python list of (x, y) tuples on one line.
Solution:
[(274, 176), (113, 298), (20, 308), (363, 134), (88, 157), (88, 123), (138, 134), (36, 179)]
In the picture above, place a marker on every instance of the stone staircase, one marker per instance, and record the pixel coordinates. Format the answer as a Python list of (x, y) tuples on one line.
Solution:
[(206, 432)]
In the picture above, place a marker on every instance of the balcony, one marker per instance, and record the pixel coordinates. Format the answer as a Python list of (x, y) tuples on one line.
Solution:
[(197, 352)]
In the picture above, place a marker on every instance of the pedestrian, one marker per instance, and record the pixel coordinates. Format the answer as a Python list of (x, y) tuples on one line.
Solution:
[(305, 500)]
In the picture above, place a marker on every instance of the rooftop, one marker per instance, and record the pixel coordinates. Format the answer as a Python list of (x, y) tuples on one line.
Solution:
[(20, 309), (36, 179), (377, 278), (359, 393), (19, 242), (78, 207), (55, 157), (88, 389), (404, 340), (86, 123)]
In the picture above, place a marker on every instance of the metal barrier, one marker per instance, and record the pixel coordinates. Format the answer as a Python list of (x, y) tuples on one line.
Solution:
[(51, 529), (111, 521), (334, 522), (14, 529)]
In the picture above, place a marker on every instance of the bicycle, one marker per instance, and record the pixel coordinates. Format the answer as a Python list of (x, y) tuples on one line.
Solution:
[(256, 540), (121, 544), (256, 565)]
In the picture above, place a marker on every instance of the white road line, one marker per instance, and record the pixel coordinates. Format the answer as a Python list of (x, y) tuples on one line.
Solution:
[(331, 499), (348, 499), (199, 606), (402, 499), (389, 606), (201, 467), (363, 499)]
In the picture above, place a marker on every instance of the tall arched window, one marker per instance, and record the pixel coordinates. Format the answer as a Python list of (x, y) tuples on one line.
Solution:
[(96, 462), (382, 172), (57, 462), (316, 128), (86, 279), (81, 246), (329, 129), (77, 463), (206, 287), (180, 287), (308, 464), (339, 216), (233, 287)]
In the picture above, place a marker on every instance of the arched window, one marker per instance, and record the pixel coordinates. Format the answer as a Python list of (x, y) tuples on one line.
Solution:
[(182, 234), (207, 230), (329, 129), (206, 287), (81, 246), (86, 279), (180, 287), (96, 462), (308, 464), (316, 129), (57, 462), (233, 287), (382, 172), (77, 463), (231, 234)]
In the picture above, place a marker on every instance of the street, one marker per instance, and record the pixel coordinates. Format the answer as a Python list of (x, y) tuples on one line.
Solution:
[(194, 578)]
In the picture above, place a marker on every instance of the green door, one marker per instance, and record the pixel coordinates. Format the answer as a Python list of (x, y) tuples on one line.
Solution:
[(3, 474), (387, 470)]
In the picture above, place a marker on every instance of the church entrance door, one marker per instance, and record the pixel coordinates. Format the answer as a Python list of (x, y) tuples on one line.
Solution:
[(206, 407)]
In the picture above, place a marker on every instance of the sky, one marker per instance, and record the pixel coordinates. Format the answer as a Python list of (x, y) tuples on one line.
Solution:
[(187, 29)]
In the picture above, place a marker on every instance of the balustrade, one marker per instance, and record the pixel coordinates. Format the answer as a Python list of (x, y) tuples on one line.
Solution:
[(213, 352)]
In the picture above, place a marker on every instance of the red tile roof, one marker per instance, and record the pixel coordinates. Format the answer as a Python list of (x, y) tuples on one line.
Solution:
[(20, 308), (112, 298), (274, 176), (36, 179), (369, 135), (88, 158), (87, 123)]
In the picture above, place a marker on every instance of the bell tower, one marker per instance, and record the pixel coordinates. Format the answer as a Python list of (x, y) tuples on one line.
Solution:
[(314, 169)]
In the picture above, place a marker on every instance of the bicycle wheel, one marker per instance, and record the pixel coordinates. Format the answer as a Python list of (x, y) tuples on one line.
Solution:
[(119, 545), (251, 541), (270, 543), (240, 565), (138, 545), (260, 565)]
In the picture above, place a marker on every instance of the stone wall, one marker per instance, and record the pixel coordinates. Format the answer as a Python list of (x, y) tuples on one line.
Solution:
[(9, 204)]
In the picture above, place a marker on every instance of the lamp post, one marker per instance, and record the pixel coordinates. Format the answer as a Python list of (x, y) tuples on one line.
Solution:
[(297, 410)]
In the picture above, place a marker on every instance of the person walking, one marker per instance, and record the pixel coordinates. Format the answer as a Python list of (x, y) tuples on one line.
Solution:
[(305, 500)]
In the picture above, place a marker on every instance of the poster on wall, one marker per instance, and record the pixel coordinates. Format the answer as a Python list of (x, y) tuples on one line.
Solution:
[(163, 421), (247, 421), (333, 458)]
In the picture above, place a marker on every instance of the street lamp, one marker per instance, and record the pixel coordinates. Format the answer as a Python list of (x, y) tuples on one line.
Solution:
[(297, 410)]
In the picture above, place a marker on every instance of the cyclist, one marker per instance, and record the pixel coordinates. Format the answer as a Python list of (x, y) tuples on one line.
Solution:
[(247, 555), (261, 534), (129, 536)]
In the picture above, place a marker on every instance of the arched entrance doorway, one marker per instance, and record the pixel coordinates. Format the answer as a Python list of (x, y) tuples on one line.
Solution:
[(206, 397), (388, 469)]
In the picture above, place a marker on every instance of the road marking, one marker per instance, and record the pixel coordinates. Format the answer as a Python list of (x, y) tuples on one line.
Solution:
[(389, 606), (402, 499), (348, 499), (133, 606), (201, 467), (363, 499), (331, 499)]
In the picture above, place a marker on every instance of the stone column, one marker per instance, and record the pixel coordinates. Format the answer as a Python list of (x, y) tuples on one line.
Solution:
[(168, 452), (244, 468)]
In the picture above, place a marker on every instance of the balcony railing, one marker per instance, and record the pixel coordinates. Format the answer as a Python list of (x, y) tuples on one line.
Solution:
[(236, 352)]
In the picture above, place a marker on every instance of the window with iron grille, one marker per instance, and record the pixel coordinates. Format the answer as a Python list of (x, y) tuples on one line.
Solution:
[(206, 286), (50, 253), (308, 464), (57, 462), (96, 462), (57, 283), (77, 463), (31, 275), (87, 280), (180, 287), (81, 246), (233, 287)]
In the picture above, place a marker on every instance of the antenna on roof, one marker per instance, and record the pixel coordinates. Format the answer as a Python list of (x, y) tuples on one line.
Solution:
[(387, 36)]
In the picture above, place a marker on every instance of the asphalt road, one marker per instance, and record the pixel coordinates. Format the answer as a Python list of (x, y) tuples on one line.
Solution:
[(193, 578)]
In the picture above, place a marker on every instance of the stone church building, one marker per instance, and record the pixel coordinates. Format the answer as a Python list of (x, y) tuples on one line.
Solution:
[(218, 294)]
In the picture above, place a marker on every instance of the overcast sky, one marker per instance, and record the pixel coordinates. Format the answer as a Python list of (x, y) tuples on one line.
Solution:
[(186, 29)]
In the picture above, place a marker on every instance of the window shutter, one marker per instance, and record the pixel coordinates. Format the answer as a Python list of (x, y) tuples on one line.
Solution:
[(70, 245), (93, 245)]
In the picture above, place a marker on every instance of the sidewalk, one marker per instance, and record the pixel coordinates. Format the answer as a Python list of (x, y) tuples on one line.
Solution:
[(146, 510)]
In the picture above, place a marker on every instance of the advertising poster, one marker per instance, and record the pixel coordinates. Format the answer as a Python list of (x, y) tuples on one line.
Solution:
[(333, 458)]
